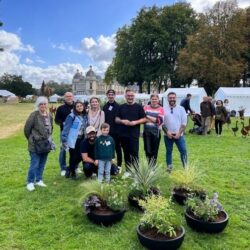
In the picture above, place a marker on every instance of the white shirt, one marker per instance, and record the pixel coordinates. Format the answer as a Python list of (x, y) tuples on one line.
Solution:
[(174, 118)]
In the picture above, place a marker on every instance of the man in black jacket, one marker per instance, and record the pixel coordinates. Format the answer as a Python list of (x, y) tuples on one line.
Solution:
[(185, 103), (110, 109), (62, 112)]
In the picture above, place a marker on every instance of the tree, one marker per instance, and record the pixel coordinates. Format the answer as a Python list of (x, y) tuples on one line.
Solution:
[(42, 89), (214, 54), (16, 85)]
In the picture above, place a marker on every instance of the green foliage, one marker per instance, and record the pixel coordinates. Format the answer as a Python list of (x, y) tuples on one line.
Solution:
[(160, 215), (206, 210), (144, 175), (187, 178)]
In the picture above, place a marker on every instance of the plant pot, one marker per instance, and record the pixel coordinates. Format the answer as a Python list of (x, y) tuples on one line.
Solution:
[(205, 226), (134, 202), (106, 217), (160, 244)]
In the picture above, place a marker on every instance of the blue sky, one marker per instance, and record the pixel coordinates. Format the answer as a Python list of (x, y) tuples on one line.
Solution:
[(50, 39)]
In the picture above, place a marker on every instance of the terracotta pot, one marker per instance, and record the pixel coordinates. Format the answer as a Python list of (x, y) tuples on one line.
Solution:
[(106, 219), (205, 226), (163, 244)]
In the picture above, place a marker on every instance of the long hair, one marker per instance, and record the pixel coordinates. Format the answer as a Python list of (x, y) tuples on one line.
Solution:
[(74, 108)]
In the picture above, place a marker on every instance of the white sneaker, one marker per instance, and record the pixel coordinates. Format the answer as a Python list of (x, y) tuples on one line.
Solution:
[(30, 186), (78, 171), (126, 175), (41, 184), (63, 172)]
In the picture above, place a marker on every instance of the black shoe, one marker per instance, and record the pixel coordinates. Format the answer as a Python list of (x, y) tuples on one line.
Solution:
[(67, 174)]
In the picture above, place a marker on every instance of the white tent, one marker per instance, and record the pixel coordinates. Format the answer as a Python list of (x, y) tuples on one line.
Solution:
[(54, 98), (6, 93), (238, 97), (181, 93)]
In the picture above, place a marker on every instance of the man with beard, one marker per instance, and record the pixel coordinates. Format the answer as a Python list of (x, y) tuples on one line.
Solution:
[(175, 121), (62, 112), (87, 149)]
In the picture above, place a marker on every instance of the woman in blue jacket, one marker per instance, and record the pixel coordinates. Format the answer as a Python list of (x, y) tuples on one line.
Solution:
[(72, 135)]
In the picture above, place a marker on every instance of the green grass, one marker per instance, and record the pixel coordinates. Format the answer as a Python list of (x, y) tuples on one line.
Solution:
[(52, 218)]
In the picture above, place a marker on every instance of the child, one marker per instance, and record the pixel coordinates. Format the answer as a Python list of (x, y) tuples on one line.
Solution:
[(104, 152)]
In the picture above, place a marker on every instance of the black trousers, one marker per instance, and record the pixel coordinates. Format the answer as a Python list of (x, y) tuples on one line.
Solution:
[(74, 157), (130, 146), (151, 145), (218, 127), (118, 148)]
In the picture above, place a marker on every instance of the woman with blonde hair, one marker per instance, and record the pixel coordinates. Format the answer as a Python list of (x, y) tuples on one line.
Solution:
[(38, 131), (95, 114)]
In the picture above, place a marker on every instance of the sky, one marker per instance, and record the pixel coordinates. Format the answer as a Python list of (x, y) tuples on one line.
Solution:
[(51, 39)]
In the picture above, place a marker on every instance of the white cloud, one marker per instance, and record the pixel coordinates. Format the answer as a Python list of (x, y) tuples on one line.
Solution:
[(201, 5), (28, 60), (11, 42)]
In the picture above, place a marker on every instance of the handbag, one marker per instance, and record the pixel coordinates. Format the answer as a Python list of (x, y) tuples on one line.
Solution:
[(42, 146)]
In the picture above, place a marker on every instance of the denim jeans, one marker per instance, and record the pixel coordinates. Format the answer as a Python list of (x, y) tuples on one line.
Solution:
[(62, 158), (104, 166), (181, 145), (37, 165)]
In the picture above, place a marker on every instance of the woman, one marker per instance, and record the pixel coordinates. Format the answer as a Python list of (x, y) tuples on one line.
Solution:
[(152, 128), (96, 115), (72, 135), (220, 117), (38, 130)]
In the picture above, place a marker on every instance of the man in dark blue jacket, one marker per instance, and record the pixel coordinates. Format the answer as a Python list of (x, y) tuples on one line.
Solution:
[(185, 103), (62, 112)]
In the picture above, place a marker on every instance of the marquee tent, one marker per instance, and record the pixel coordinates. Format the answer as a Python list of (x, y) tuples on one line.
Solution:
[(197, 95), (238, 98), (54, 98)]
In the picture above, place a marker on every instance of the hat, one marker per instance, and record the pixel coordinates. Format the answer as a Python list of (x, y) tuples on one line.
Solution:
[(90, 129)]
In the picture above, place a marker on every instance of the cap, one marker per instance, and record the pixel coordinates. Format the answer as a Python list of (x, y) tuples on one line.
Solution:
[(90, 129)]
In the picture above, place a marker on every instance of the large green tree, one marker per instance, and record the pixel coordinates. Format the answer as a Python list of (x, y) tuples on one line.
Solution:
[(16, 85), (214, 55)]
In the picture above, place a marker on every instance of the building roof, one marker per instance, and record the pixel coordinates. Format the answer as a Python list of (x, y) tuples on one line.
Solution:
[(6, 93), (90, 72)]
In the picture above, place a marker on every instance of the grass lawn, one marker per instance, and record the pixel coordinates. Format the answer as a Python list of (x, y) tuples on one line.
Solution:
[(52, 218)]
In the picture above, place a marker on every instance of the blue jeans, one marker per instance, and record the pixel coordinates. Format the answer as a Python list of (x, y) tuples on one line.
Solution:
[(37, 165), (62, 158), (181, 145), (104, 166)]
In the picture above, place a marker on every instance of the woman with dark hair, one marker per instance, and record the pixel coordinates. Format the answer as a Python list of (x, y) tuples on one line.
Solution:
[(220, 116), (72, 135)]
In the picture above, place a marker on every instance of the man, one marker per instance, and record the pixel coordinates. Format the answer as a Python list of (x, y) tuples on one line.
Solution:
[(87, 149), (185, 103), (110, 109), (175, 121), (62, 112), (206, 113), (130, 115)]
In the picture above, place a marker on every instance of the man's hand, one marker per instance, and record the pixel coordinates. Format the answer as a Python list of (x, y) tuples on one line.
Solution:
[(177, 136), (169, 135), (96, 162)]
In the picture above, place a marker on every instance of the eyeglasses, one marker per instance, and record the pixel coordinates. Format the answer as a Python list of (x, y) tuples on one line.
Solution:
[(172, 111), (40, 104)]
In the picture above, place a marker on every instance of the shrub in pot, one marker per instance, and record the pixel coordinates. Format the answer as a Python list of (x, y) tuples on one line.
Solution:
[(185, 183), (206, 215), (159, 226), (143, 179), (105, 203)]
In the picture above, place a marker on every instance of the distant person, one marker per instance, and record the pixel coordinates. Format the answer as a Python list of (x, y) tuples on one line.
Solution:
[(206, 114), (110, 109), (87, 148), (104, 153), (72, 135), (95, 114), (130, 115), (227, 107), (152, 128), (185, 103), (220, 117), (38, 128), (174, 124), (61, 113)]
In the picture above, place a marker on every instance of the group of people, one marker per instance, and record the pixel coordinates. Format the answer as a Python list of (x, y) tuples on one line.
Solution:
[(92, 136)]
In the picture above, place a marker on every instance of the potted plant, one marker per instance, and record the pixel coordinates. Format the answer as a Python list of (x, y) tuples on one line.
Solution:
[(105, 203), (144, 177), (206, 215), (185, 183), (159, 226)]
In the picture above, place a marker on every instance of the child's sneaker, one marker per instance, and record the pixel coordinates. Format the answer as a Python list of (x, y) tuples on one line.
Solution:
[(30, 186), (41, 184)]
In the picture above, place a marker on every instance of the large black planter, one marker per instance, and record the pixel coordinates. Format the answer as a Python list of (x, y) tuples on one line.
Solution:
[(155, 244), (106, 219), (207, 227)]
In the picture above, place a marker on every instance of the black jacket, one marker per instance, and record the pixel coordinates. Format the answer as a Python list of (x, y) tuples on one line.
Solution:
[(110, 111), (61, 114)]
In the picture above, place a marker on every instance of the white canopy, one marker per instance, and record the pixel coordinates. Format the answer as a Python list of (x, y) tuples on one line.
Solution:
[(6, 93), (181, 93), (54, 98), (238, 97)]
